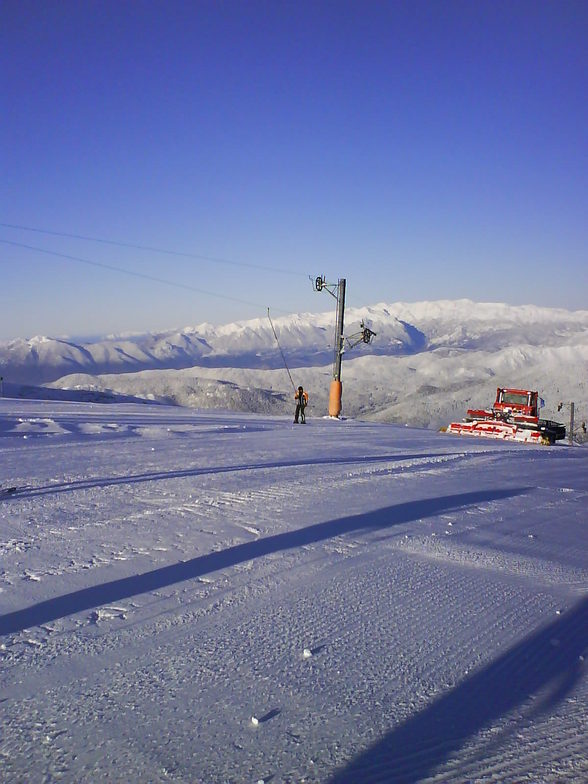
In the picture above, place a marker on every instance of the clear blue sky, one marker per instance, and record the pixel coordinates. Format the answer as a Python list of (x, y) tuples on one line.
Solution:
[(422, 150)]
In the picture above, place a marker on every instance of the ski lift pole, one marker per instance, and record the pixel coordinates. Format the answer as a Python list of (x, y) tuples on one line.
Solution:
[(363, 336), (572, 406), (339, 336), (336, 389)]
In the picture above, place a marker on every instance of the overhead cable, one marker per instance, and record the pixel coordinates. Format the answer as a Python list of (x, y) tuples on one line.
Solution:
[(131, 272), (213, 259)]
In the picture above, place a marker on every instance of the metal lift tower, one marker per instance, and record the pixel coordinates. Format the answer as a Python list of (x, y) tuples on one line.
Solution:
[(365, 335)]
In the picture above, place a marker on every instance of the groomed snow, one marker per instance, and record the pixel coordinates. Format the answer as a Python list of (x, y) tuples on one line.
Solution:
[(212, 597)]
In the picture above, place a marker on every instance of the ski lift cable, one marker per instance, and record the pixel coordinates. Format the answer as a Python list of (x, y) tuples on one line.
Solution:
[(281, 352), (213, 259), (142, 275)]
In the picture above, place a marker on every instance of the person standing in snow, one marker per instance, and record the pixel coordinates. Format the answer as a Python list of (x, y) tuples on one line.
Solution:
[(301, 398)]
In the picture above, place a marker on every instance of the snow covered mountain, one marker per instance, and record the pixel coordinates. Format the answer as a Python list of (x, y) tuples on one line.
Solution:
[(306, 337), (428, 360)]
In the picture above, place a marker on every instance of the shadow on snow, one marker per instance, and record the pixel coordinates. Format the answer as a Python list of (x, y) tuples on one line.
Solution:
[(116, 590), (154, 476), (544, 667)]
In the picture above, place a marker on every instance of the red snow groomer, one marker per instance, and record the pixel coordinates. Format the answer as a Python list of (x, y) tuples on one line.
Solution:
[(513, 417)]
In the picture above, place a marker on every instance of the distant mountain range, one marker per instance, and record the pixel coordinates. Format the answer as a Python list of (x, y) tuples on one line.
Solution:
[(427, 361)]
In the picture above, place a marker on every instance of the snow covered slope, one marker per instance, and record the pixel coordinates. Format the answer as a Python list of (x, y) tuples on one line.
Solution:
[(203, 597), (427, 363)]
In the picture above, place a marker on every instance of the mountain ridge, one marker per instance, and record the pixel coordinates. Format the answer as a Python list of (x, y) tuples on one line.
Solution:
[(402, 329), (427, 363)]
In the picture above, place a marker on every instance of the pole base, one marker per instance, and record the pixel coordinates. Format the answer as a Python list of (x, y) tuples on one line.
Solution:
[(335, 394)]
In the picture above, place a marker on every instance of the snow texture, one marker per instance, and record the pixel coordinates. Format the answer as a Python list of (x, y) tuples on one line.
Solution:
[(198, 596)]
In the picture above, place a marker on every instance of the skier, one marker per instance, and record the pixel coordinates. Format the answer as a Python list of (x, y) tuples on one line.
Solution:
[(301, 398)]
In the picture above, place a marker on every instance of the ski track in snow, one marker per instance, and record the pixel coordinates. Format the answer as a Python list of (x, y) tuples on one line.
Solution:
[(177, 565)]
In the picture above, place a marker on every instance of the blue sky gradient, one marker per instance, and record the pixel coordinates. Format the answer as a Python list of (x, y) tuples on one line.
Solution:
[(422, 150)]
